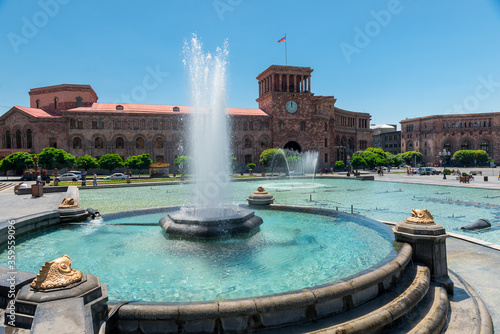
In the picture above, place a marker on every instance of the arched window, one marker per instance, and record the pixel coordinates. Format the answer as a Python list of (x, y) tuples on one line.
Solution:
[(78, 102), (281, 125), (8, 140), (485, 146), (139, 143), (99, 143), (264, 142), (119, 142), (77, 143), (29, 139), (465, 145), (19, 143), (159, 142), (248, 143), (56, 102), (302, 126), (176, 109), (119, 107)]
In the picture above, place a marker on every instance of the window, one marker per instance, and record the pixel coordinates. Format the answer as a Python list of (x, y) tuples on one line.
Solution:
[(266, 125), (142, 124), (99, 143), (174, 125), (56, 102), (53, 142), (139, 143), (101, 124), (38, 104), (80, 125), (248, 143), (326, 142), (159, 142), (465, 145), (19, 143), (119, 142), (119, 107), (245, 126), (250, 125), (326, 126), (8, 140), (485, 146), (326, 157), (176, 109), (94, 124), (248, 159), (302, 126), (72, 123), (155, 124), (29, 138), (78, 102), (281, 126), (77, 143), (264, 143)]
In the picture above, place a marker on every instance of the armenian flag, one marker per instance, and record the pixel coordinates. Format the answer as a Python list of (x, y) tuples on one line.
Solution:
[(282, 40)]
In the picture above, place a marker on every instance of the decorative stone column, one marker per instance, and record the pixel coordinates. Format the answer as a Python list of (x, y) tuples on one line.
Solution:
[(260, 197), (428, 241)]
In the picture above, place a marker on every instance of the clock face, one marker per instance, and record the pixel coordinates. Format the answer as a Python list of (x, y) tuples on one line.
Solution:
[(291, 107)]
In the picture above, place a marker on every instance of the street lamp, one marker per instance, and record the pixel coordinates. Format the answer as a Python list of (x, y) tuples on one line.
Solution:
[(445, 155)]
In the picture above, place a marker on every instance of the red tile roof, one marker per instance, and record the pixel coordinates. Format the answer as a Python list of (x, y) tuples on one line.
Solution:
[(158, 109), (39, 113)]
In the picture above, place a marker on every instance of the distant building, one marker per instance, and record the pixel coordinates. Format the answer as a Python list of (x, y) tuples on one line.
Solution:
[(386, 137), (430, 135), (289, 116)]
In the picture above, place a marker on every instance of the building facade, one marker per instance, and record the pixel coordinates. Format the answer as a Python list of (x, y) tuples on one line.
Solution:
[(289, 116), (387, 137), (431, 135)]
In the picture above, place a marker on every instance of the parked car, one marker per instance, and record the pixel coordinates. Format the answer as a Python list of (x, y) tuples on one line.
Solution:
[(68, 177), (116, 176)]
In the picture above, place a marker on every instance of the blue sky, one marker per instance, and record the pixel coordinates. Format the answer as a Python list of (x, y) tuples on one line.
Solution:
[(393, 59)]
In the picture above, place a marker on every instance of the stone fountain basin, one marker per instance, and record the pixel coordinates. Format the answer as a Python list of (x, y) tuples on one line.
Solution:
[(240, 222)]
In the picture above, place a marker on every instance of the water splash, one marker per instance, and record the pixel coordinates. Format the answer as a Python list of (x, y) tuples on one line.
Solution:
[(209, 142)]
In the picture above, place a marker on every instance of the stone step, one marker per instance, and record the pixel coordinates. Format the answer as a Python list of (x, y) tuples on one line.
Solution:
[(6, 185)]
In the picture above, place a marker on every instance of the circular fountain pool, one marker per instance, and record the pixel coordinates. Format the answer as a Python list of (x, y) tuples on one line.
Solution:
[(130, 254)]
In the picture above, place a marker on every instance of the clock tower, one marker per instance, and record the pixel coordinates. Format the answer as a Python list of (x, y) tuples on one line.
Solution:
[(285, 94)]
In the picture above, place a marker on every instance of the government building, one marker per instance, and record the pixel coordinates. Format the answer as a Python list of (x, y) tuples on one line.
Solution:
[(289, 116), (438, 137)]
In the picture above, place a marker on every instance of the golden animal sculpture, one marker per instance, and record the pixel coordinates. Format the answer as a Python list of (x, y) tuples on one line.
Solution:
[(68, 203), (56, 274), (261, 190), (419, 216)]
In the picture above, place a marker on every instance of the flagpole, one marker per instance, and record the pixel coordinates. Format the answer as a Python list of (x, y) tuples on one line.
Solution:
[(286, 54)]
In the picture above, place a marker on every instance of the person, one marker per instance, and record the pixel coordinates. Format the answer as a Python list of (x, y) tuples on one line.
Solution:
[(331, 170), (39, 179), (95, 179)]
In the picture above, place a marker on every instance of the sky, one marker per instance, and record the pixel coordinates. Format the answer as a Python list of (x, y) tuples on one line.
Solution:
[(394, 59)]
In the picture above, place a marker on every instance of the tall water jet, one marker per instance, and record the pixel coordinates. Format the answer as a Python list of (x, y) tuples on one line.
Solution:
[(212, 214)]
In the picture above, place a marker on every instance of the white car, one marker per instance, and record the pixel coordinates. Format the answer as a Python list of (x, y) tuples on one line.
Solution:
[(68, 177), (116, 176)]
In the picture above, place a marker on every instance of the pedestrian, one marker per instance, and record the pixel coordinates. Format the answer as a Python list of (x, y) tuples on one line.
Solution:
[(38, 179), (321, 171), (95, 179)]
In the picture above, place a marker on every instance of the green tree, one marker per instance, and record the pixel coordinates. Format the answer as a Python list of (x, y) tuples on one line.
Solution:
[(86, 162), (411, 157), (467, 157), (182, 163), (372, 157), (52, 158), (110, 162), (251, 166), (17, 161), (140, 162), (339, 164), (358, 161), (272, 157)]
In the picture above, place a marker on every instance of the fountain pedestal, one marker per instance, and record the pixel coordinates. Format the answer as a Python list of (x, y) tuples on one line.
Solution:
[(241, 222)]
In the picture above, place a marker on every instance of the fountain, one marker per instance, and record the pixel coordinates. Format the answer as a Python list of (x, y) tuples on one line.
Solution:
[(213, 215)]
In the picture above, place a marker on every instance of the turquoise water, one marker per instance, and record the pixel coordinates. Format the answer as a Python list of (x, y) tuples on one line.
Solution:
[(292, 251), (452, 207)]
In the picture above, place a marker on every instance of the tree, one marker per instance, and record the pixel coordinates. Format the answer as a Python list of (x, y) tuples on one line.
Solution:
[(110, 162), (140, 162), (372, 157), (182, 163), (17, 161), (52, 158), (272, 157), (411, 157), (467, 157), (358, 161), (339, 164), (86, 162), (251, 166)]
